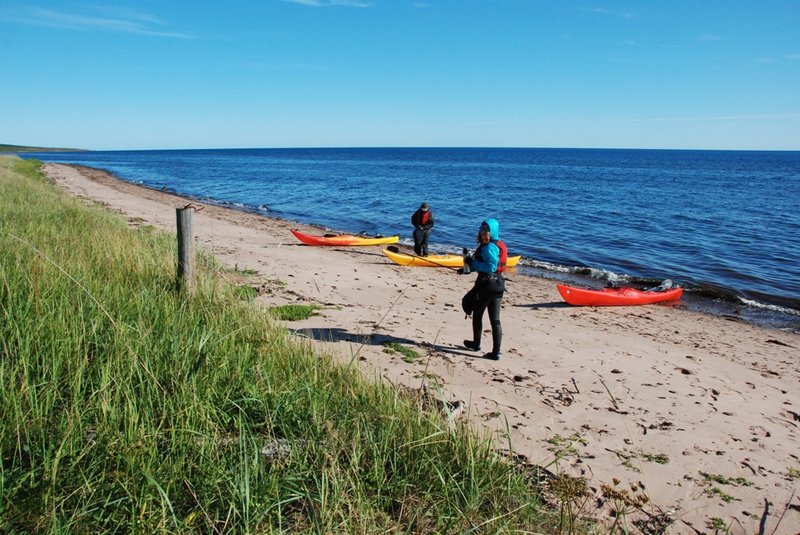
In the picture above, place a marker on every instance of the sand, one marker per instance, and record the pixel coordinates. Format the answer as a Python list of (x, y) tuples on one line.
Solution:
[(699, 413)]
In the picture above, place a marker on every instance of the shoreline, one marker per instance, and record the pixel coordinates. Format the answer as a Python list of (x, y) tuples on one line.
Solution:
[(611, 392), (772, 312)]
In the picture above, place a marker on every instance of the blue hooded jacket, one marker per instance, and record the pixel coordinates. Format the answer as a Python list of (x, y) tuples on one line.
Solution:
[(487, 257)]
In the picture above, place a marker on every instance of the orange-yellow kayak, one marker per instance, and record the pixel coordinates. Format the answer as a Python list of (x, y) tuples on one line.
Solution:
[(615, 296), (436, 260), (342, 239)]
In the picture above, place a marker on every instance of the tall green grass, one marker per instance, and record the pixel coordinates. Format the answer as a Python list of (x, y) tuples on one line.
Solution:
[(126, 406)]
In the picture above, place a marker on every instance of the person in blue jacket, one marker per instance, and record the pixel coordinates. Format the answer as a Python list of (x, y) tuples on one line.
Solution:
[(489, 286)]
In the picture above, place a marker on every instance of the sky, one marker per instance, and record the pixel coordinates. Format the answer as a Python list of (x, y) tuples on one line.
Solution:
[(170, 74)]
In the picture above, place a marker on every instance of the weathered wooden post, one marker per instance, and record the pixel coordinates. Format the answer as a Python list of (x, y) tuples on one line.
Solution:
[(185, 248)]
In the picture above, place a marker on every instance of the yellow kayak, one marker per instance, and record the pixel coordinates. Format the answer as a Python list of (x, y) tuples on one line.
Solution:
[(436, 260)]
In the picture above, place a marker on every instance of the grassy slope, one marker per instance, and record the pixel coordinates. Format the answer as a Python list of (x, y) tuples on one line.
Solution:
[(126, 406)]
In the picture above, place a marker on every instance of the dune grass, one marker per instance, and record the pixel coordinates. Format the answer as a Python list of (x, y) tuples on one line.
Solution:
[(294, 312), (126, 406)]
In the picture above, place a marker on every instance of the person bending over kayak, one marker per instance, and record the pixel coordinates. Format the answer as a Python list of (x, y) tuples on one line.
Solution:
[(489, 261), (422, 220)]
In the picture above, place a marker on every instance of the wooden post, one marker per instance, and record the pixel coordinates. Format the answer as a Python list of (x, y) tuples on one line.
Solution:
[(185, 248)]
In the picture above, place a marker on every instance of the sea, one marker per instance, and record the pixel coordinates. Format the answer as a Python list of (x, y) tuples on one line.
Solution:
[(725, 225)]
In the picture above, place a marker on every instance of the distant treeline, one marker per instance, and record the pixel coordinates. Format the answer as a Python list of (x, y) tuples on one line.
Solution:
[(22, 148)]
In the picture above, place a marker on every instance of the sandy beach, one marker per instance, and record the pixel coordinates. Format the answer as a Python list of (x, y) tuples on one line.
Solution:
[(700, 414)]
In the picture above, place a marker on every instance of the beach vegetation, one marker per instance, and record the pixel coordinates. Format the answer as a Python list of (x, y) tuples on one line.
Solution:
[(723, 480), (246, 292), (716, 491), (794, 473), (571, 494), (628, 458), (294, 312), (126, 406), (247, 272), (623, 503), (658, 458), (628, 463), (408, 354), (565, 447), (717, 524)]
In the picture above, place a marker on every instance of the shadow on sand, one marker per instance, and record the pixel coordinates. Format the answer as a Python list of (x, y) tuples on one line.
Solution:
[(341, 335), (552, 304), (376, 339)]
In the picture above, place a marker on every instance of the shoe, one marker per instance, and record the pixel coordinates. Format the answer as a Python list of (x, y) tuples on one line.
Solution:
[(492, 356), (469, 344)]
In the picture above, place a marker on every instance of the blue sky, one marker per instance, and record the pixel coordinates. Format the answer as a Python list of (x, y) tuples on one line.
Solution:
[(361, 73)]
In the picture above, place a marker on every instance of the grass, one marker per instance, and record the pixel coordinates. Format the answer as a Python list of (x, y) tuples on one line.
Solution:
[(658, 458), (294, 312), (565, 447), (716, 491), (629, 457), (126, 406), (408, 355), (716, 525), (723, 480)]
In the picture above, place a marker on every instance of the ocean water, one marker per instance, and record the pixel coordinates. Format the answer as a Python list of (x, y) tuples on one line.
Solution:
[(725, 225)]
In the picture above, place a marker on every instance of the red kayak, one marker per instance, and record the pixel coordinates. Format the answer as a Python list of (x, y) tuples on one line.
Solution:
[(343, 239), (606, 297)]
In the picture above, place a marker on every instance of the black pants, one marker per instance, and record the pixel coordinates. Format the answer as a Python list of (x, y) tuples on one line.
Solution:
[(421, 242), (492, 303)]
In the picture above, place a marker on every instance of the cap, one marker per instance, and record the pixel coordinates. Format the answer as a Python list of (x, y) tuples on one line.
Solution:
[(424, 206)]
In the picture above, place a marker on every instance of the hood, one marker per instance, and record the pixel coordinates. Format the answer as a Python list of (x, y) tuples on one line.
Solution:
[(494, 228)]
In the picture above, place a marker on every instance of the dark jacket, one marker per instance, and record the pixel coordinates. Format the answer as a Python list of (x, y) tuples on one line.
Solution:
[(416, 220)]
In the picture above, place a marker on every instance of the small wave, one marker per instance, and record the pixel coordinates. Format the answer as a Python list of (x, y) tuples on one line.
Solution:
[(582, 271), (263, 208), (602, 274), (585, 272), (714, 293), (772, 308), (546, 266)]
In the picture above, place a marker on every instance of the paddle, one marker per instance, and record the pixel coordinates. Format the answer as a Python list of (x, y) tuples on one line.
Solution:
[(394, 249)]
